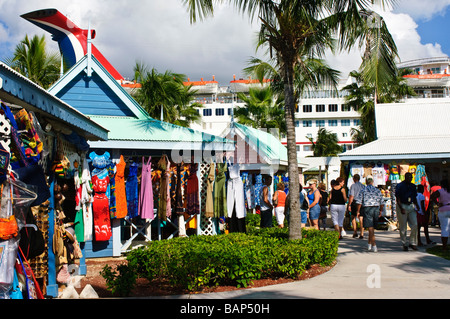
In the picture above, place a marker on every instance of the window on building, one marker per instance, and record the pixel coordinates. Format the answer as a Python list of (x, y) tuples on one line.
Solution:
[(220, 112), (297, 123), (332, 108), (307, 123), (332, 122), (207, 112), (320, 123), (307, 148), (308, 135), (356, 122), (345, 122), (345, 108), (320, 108), (230, 110), (307, 108)]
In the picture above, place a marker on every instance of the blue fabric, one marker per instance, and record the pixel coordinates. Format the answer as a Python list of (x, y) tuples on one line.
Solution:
[(131, 189)]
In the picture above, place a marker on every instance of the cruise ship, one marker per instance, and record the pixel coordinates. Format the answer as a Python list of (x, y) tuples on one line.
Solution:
[(430, 78), (316, 109)]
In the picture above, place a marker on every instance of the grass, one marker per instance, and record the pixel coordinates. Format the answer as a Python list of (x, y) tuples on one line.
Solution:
[(438, 251)]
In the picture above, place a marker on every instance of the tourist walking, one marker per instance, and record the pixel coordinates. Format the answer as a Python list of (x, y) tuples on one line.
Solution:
[(337, 201), (266, 206), (443, 195), (279, 200), (303, 212), (369, 204), (423, 216), (406, 195), (356, 187), (323, 205), (314, 206)]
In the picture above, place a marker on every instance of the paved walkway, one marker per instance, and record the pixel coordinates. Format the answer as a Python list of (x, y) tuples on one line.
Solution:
[(390, 273)]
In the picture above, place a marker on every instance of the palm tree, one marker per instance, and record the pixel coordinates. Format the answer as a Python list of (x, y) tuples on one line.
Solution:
[(32, 60), (326, 143), (292, 29), (262, 109), (163, 95), (361, 97)]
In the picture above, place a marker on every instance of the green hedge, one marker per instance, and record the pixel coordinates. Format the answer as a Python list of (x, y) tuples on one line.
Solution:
[(232, 259)]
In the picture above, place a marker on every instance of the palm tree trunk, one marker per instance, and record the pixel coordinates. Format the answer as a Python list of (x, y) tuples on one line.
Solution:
[(295, 231)]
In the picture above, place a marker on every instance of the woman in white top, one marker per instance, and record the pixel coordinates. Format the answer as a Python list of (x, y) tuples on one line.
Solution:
[(444, 210)]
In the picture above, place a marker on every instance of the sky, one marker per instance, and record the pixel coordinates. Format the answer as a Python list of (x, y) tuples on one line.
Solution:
[(158, 33)]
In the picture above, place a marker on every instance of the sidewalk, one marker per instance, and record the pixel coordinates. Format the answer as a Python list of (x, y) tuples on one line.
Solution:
[(391, 273)]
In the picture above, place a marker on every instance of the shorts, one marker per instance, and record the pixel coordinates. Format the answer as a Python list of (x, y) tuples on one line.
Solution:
[(304, 216), (314, 212), (422, 219), (370, 216), (279, 214), (444, 220), (337, 214), (266, 218)]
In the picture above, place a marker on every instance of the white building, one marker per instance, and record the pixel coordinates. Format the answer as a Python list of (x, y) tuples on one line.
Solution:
[(316, 109)]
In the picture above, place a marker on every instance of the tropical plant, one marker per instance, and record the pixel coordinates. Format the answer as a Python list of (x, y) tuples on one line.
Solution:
[(361, 97), (164, 96), (326, 143), (32, 60), (292, 29), (262, 109)]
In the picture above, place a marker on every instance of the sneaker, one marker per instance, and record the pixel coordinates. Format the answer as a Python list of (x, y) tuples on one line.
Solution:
[(413, 247), (405, 248), (374, 249), (369, 247)]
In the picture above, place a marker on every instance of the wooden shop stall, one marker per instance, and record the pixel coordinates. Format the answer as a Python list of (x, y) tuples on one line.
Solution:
[(38, 133)]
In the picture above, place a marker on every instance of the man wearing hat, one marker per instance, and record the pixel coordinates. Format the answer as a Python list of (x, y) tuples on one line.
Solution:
[(370, 203)]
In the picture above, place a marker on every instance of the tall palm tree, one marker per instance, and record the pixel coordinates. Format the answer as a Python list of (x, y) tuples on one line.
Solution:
[(163, 95), (262, 109), (32, 60), (293, 29)]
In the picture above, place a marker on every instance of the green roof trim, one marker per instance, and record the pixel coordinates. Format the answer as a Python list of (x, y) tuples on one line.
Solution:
[(154, 131), (265, 143)]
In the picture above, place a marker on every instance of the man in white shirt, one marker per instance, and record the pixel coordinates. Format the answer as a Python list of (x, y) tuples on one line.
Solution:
[(356, 187)]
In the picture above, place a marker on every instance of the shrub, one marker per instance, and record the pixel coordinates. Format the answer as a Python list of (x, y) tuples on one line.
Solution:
[(232, 259)]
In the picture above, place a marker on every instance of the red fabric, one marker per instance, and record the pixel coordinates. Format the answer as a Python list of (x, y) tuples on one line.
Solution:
[(100, 208)]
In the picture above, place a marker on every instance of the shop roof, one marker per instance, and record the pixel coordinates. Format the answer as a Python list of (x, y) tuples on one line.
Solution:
[(268, 147), (416, 129), (17, 89), (131, 133), (89, 88)]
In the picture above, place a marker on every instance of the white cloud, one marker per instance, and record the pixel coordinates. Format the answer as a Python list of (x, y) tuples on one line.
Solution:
[(159, 34), (422, 10)]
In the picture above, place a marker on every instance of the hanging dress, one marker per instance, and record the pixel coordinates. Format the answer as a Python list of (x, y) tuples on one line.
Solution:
[(209, 207), (235, 193), (112, 190), (121, 198), (131, 188), (220, 195), (146, 193), (100, 207), (192, 192), (258, 189), (164, 208)]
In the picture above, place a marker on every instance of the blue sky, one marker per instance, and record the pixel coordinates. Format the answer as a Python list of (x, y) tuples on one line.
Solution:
[(436, 30), (158, 33)]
